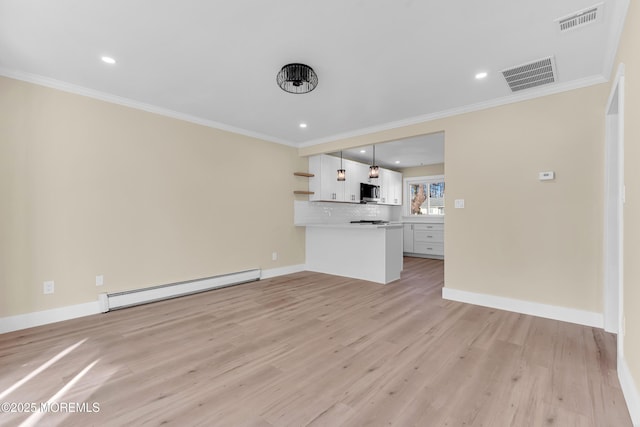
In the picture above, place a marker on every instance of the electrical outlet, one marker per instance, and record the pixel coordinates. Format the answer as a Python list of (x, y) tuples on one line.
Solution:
[(99, 280), (274, 256), (49, 287)]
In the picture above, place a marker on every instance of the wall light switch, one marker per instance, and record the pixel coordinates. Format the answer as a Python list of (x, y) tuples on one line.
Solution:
[(99, 280), (274, 256), (459, 204), (546, 176), (49, 287)]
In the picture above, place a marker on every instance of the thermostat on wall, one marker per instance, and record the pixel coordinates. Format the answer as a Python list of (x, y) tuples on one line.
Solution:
[(546, 176)]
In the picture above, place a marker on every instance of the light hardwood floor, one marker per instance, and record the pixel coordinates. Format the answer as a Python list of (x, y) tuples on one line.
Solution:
[(319, 350)]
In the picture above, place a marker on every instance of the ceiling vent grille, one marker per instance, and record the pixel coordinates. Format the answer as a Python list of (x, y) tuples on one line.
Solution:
[(537, 73), (580, 19)]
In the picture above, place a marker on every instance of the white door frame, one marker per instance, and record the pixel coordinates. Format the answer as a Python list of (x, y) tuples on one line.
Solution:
[(613, 209)]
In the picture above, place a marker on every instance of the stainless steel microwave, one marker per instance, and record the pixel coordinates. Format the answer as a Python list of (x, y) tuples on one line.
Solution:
[(369, 193)]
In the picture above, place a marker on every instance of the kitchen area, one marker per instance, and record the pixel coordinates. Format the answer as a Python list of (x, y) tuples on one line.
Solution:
[(363, 215)]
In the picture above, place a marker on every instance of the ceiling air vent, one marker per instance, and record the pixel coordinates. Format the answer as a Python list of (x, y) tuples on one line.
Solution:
[(580, 19), (538, 73)]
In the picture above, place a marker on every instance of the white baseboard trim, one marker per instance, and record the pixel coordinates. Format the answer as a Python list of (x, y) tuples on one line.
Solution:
[(630, 391), (282, 271), (39, 318), (581, 317)]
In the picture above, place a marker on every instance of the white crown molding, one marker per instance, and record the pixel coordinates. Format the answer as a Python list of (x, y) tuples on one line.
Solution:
[(564, 314), (102, 96), (510, 99)]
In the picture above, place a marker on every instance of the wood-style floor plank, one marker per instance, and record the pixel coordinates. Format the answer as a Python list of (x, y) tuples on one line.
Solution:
[(311, 349)]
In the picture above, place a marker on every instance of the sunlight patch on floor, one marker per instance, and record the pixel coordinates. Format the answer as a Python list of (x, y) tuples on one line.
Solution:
[(41, 368)]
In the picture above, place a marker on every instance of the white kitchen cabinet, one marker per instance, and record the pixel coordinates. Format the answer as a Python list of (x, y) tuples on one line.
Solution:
[(427, 240), (395, 188), (325, 184), (390, 187), (326, 187), (382, 182), (356, 173)]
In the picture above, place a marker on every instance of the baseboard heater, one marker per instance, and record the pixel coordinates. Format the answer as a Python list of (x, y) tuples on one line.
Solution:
[(126, 299)]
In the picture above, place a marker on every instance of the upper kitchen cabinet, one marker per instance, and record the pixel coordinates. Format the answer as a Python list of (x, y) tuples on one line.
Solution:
[(355, 174), (390, 187), (326, 186)]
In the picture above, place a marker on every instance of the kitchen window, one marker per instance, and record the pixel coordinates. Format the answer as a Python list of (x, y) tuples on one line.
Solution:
[(424, 196)]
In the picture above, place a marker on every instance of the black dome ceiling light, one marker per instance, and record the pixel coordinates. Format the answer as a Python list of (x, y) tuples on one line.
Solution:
[(297, 78)]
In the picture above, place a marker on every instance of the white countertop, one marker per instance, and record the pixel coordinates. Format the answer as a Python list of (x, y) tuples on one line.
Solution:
[(422, 220), (350, 225)]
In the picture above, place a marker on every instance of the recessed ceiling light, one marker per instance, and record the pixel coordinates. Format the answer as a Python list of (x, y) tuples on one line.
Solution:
[(481, 75), (363, 151), (108, 60), (303, 125), (397, 162)]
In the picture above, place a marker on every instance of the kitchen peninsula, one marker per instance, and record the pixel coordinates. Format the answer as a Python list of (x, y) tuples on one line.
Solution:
[(348, 228), (366, 251)]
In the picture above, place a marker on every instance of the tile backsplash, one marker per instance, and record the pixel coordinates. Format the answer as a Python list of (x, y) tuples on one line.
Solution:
[(335, 213)]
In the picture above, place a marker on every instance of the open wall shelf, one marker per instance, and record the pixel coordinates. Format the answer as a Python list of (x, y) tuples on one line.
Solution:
[(305, 175)]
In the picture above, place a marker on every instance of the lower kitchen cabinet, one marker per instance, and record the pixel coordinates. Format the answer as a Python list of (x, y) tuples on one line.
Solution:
[(424, 240)]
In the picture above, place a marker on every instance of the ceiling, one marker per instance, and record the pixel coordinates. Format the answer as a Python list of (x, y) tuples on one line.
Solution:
[(380, 63), (404, 153)]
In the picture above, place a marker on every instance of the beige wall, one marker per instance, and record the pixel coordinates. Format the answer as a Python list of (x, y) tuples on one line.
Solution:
[(629, 55), (88, 187), (518, 237), (427, 170)]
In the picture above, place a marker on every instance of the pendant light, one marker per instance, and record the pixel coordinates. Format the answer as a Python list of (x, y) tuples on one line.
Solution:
[(341, 171), (373, 169)]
